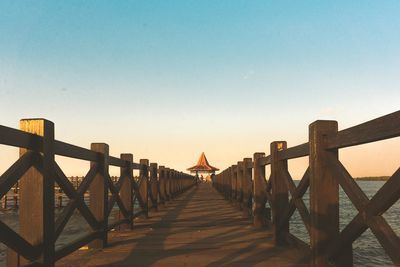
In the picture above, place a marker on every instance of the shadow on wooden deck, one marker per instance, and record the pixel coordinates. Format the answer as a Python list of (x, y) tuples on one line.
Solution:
[(199, 228)]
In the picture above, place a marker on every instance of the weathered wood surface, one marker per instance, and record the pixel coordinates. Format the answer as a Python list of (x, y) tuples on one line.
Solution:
[(198, 228), (36, 179)]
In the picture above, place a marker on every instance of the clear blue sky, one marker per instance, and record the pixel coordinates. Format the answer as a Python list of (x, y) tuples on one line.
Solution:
[(167, 80)]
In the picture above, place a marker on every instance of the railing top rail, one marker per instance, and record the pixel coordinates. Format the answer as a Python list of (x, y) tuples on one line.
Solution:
[(113, 161), (72, 151), (294, 152), (136, 166), (382, 128), (265, 160), (17, 138)]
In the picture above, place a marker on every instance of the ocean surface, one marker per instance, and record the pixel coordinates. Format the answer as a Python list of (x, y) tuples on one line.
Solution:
[(76, 227), (367, 251)]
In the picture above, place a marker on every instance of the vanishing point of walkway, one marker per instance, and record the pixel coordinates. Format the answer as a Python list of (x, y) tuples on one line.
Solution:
[(198, 228)]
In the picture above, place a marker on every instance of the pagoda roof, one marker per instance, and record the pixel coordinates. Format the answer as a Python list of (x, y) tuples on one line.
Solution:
[(203, 165)]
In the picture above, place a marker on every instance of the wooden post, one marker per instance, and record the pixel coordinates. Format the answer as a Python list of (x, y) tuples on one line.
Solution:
[(259, 187), (185, 181), (171, 183), (154, 185), (247, 186), (324, 195), (98, 193), (234, 182), (228, 184), (279, 194), (220, 179), (175, 182), (126, 174), (167, 182), (239, 189), (179, 182), (217, 181), (161, 174), (37, 197), (144, 188)]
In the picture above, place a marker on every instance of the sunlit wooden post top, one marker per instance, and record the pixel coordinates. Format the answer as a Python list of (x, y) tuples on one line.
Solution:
[(203, 167)]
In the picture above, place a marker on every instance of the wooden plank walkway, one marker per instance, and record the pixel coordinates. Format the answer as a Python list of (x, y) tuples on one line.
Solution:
[(198, 228)]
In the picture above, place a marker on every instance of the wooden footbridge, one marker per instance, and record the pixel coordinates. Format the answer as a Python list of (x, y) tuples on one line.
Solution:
[(188, 232), (164, 217)]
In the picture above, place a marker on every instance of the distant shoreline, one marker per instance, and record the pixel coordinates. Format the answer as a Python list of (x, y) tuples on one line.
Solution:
[(367, 178), (372, 178)]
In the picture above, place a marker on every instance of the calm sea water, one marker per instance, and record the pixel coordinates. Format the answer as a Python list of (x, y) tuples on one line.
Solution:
[(76, 227), (367, 250)]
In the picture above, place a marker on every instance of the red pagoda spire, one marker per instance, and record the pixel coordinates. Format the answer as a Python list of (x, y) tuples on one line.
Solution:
[(202, 165)]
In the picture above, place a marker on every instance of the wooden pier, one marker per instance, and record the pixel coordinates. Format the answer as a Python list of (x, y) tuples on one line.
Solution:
[(199, 228), (166, 218)]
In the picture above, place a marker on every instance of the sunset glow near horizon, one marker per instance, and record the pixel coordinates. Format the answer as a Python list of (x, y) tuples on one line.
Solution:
[(167, 80)]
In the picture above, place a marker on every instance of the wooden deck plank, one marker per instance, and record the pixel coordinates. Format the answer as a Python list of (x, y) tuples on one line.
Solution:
[(199, 228)]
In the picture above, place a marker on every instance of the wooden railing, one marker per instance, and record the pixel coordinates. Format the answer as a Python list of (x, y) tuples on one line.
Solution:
[(36, 171), (246, 181), (11, 199)]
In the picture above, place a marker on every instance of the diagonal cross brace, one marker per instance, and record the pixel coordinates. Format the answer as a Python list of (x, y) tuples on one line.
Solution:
[(76, 199), (370, 212)]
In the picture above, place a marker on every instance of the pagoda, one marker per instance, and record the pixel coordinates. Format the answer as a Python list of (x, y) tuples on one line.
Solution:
[(203, 167)]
